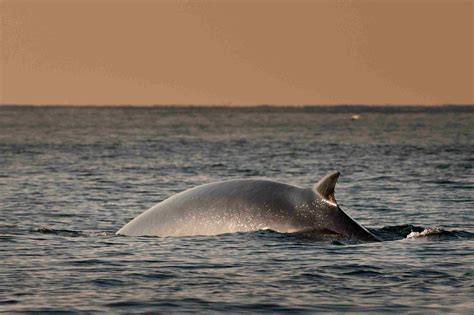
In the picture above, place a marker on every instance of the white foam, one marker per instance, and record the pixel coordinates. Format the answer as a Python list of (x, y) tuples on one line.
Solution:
[(425, 232)]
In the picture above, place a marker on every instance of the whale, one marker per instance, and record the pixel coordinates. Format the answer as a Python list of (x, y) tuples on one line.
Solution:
[(243, 205)]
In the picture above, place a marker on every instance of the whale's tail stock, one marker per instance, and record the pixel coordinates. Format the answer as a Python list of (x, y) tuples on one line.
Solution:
[(340, 221)]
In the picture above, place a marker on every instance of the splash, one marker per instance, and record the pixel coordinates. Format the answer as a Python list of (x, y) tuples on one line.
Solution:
[(426, 232)]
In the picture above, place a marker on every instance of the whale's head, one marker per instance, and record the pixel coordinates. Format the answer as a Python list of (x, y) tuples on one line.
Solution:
[(327, 215)]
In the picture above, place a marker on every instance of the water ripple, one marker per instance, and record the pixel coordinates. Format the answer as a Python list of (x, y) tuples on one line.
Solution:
[(71, 177)]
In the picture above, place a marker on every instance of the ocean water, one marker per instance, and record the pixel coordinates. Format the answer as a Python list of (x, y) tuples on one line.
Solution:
[(71, 177)]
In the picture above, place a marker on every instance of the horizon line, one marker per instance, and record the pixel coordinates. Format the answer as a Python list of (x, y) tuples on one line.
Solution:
[(230, 105)]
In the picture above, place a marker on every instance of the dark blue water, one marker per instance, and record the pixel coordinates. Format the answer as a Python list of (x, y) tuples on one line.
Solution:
[(71, 177)]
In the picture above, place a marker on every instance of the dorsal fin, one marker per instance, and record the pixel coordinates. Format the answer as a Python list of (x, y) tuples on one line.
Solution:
[(325, 187)]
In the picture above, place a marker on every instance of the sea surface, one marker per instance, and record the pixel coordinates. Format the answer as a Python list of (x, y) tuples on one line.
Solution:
[(71, 177)]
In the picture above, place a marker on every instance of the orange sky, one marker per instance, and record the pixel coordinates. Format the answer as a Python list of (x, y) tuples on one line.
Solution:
[(238, 52)]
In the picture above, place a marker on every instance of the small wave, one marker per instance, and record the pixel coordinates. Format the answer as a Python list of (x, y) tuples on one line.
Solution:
[(49, 230), (408, 231), (70, 233), (425, 232), (437, 233), (396, 232)]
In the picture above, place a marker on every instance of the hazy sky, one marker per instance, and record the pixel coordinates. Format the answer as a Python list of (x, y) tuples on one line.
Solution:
[(236, 52)]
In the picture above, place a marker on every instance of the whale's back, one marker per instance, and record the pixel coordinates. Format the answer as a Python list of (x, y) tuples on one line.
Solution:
[(223, 207)]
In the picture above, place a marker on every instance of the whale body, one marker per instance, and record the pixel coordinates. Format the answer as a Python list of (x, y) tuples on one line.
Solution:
[(248, 205)]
